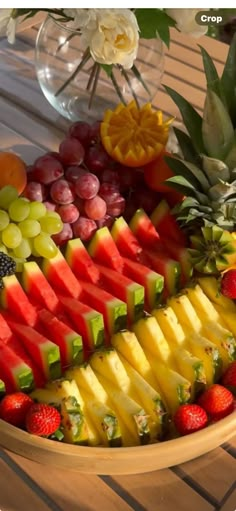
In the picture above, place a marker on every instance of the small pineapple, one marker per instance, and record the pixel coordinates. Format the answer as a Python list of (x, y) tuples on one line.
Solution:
[(206, 175)]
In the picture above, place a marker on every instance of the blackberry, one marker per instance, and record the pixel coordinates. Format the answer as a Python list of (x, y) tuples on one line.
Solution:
[(7, 265)]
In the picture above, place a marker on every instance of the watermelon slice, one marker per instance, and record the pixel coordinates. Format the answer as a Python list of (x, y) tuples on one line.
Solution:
[(114, 311), (5, 331), (70, 343), (88, 322), (181, 254), (80, 261), (169, 268), (124, 239), (14, 299), (125, 289), (44, 352), (142, 227), (2, 388), (166, 224), (15, 373), (152, 281), (60, 275), (36, 286), (103, 249)]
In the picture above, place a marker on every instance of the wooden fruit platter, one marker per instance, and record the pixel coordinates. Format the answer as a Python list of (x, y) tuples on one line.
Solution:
[(124, 460)]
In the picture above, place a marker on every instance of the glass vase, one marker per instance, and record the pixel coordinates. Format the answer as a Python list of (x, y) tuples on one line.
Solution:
[(70, 88)]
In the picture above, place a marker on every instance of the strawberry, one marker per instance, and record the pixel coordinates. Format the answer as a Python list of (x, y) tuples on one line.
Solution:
[(190, 418), (14, 407), (229, 378), (228, 284), (42, 419), (217, 401)]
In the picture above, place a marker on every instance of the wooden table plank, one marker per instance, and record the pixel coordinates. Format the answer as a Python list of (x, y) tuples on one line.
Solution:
[(73, 491), (229, 503)]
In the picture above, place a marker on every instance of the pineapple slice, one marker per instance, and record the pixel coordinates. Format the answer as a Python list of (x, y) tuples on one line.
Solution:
[(107, 363), (211, 288), (229, 319), (133, 415), (104, 419), (74, 423), (126, 343), (170, 325), (46, 396), (204, 307), (151, 401), (176, 389), (152, 339), (185, 313)]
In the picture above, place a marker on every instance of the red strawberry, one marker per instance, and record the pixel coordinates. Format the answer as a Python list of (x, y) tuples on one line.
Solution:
[(42, 419), (190, 418), (229, 378), (228, 284), (14, 407), (217, 401)]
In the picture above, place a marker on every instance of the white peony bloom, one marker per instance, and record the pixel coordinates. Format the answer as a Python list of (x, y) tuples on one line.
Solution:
[(112, 36), (186, 23), (8, 24)]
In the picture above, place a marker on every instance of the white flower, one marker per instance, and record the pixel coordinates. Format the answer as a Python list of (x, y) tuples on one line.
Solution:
[(8, 24), (185, 21), (112, 36)]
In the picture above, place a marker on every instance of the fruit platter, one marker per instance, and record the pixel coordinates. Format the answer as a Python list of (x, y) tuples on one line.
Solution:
[(118, 290)]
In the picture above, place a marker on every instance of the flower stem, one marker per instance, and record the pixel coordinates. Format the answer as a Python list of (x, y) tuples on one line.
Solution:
[(85, 58), (126, 76), (118, 91), (95, 82), (91, 76), (139, 76)]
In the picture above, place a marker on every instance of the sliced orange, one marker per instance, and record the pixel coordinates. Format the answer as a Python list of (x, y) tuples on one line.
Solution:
[(134, 136)]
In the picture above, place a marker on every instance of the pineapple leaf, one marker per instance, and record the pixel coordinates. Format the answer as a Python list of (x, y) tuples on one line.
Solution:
[(182, 185), (212, 78), (186, 146), (217, 127), (189, 171), (191, 118), (228, 80)]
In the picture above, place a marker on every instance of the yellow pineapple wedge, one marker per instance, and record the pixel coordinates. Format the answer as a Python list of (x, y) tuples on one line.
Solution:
[(196, 342), (213, 325), (188, 365), (176, 389), (210, 287), (107, 363), (133, 415), (88, 382), (229, 318), (150, 400)]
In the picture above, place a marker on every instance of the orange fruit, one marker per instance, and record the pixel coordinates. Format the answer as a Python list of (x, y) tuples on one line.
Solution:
[(134, 136), (12, 171), (155, 174)]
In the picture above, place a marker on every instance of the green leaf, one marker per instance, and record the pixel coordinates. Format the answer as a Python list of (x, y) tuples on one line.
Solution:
[(107, 68), (191, 118), (182, 185), (189, 171), (217, 127), (186, 146), (228, 80), (153, 22), (212, 78)]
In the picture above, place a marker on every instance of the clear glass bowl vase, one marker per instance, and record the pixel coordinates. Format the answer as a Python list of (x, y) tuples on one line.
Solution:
[(69, 88)]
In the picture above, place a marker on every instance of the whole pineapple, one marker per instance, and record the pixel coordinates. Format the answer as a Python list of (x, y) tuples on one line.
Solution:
[(206, 175)]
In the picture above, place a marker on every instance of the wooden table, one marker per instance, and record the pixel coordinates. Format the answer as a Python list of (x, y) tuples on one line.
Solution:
[(29, 126)]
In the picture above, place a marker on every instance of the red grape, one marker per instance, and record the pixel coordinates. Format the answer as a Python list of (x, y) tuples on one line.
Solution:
[(35, 191), (74, 172), (146, 199), (94, 132), (127, 178), (64, 235), (55, 155), (62, 192), (84, 228), (117, 207), (110, 176), (130, 209), (47, 170), (69, 213), (109, 192), (106, 221), (95, 208), (71, 151), (79, 203), (81, 131), (50, 205), (96, 158), (87, 186)]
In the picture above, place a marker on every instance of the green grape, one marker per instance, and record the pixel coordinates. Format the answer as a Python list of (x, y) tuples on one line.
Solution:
[(19, 210), (37, 210), (3, 249), (45, 246), (4, 219), (23, 250), (7, 195), (51, 224), (11, 236), (29, 228), (52, 214)]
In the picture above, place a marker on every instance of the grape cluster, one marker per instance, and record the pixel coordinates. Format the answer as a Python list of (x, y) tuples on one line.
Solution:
[(26, 227), (85, 186)]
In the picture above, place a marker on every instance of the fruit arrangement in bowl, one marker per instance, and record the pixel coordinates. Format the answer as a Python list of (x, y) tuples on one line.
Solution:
[(124, 334)]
